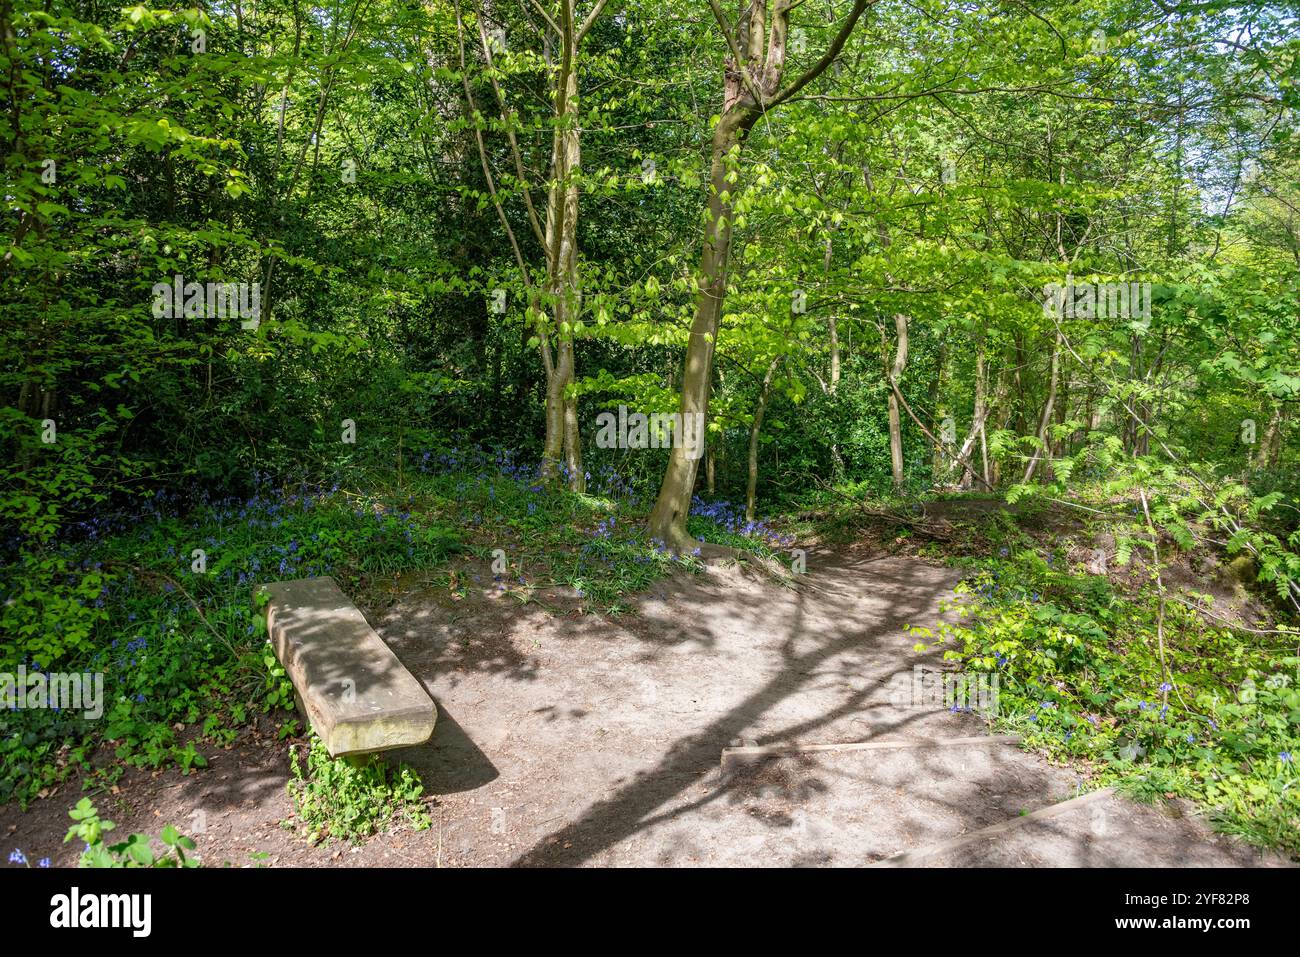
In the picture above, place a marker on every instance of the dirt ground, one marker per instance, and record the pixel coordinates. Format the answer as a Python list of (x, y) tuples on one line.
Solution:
[(567, 740)]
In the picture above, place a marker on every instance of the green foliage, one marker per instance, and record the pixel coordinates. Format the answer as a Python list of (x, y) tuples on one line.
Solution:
[(1207, 713), (351, 798), (178, 646), (136, 851), (593, 543)]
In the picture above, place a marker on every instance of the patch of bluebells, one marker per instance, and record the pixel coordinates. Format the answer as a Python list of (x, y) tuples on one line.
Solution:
[(611, 483), (481, 465), (18, 857), (731, 517), (476, 461), (212, 524)]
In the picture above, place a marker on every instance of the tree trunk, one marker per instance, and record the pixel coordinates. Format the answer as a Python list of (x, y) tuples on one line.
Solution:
[(752, 85), (895, 421), (563, 440), (573, 446), (833, 384), (751, 489), (1045, 422), (561, 294), (1001, 402), (668, 518), (980, 414), (1271, 444), (939, 455), (982, 374)]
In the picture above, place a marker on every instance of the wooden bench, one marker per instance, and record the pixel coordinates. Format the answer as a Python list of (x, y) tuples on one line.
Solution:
[(353, 690)]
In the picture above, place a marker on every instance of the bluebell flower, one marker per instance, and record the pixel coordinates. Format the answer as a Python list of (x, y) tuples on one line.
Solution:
[(17, 857)]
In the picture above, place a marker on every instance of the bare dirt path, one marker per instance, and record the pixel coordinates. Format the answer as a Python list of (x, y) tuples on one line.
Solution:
[(570, 740)]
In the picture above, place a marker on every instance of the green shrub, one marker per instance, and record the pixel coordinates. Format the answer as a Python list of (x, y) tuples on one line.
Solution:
[(351, 798), (1080, 674)]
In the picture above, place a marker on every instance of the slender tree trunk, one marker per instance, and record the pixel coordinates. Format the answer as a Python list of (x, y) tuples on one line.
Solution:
[(980, 413), (1271, 443), (984, 421), (833, 382), (573, 446), (938, 466), (835, 354), (563, 440), (668, 518), (751, 489), (561, 295), (984, 455), (895, 420), (1045, 422), (1057, 447)]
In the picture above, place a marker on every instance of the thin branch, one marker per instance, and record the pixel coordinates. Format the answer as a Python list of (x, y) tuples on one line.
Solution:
[(833, 51), (591, 18), (742, 66), (545, 16), (938, 443), (506, 116)]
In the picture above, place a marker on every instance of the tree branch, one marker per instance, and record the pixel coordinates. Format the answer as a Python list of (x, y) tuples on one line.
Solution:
[(833, 51), (591, 18)]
